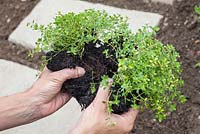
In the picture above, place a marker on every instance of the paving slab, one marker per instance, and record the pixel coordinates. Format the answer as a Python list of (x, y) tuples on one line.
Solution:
[(46, 10), (164, 1), (16, 78)]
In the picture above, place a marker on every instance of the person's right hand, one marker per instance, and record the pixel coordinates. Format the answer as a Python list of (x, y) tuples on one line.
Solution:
[(96, 120)]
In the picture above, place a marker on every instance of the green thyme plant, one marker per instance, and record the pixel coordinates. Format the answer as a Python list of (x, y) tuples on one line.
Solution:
[(145, 65), (71, 31), (153, 69)]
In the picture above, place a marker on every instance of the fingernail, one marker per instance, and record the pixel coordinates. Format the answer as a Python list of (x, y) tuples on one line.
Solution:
[(110, 81), (80, 70)]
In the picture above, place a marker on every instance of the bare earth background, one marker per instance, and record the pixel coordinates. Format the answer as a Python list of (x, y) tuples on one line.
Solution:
[(180, 27)]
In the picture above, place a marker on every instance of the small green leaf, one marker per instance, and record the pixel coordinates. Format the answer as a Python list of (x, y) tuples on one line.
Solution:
[(182, 99), (197, 9), (198, 64), (93, 87), (104, 81), (134, 106), (172, 107)]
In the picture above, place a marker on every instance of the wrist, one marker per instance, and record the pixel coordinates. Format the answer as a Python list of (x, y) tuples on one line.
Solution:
[(33, 105), (29, 106), (17, 109)]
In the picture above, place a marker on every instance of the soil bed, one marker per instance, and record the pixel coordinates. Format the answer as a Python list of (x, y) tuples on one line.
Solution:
[(12, 12), (179, 27)]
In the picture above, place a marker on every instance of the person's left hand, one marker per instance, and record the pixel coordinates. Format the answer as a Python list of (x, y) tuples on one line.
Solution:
[(46, 90)]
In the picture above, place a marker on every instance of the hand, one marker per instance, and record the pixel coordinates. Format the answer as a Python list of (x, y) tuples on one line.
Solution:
[(46, 90), (43, 99), (96, 120)]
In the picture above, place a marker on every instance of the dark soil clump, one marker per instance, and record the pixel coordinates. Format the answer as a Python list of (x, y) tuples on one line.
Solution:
[(96, 65)]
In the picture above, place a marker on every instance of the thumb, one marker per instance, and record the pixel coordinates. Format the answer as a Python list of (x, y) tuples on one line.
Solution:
[(102, 96), (67, 73), (131, 114)]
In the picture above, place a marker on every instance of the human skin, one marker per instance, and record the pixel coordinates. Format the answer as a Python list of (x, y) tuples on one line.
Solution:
[(45, 98), (96, 119), (41, 100)]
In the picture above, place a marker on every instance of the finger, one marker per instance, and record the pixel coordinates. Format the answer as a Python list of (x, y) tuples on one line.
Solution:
[(130, 115), (102, 96), (45, 72), (67, 73), (126, 121)]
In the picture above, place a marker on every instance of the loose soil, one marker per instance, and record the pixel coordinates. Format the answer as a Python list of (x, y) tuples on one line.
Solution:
[(179, 27)]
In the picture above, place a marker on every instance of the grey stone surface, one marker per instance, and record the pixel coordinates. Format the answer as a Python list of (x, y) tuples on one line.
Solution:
[(16, 78), (46, 10), (164, 1)]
